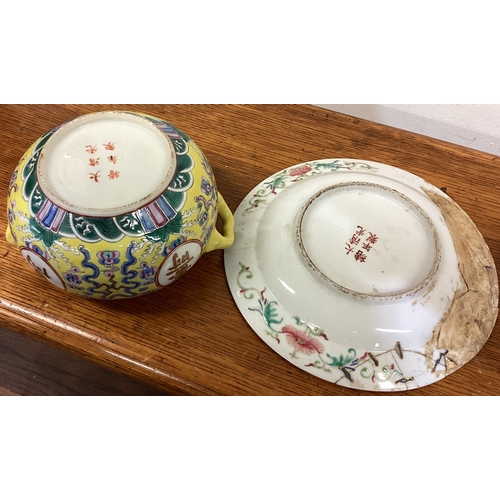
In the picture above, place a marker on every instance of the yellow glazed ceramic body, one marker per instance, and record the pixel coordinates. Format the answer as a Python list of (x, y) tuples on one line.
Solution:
[(115, 205)]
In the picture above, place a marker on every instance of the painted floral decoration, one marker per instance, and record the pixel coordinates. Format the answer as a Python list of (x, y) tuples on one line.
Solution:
[(301, 342), (300, 170)]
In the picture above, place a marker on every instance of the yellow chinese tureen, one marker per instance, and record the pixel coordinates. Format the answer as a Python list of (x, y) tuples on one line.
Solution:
[(115, 205)]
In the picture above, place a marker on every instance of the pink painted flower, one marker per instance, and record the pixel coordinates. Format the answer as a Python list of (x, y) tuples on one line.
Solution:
[(300, 170), (301, 342)]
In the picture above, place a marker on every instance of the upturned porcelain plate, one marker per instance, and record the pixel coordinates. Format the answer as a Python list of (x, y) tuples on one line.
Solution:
[(362, 274)]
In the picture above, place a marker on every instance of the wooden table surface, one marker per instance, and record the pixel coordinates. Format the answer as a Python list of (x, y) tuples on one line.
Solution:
[(189, 338)]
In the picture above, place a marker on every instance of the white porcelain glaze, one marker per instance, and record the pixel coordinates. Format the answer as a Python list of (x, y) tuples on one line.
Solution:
[(345, 268), (128, 159), (382, 229)]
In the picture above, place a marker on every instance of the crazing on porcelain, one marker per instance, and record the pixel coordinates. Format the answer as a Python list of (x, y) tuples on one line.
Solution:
[(125, 255)]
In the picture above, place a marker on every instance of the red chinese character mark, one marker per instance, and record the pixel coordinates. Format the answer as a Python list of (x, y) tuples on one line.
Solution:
[(179, 265), (95, 177), (360, 256), (94, 162), (355, 240)]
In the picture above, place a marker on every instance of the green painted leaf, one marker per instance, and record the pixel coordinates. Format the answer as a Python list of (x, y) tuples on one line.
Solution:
[(270, 314)]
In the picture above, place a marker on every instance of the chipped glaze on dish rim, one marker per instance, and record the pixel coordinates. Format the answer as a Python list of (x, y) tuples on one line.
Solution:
[(391, 342)]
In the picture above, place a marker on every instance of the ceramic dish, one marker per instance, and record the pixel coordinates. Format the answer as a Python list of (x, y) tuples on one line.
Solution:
[(362, 274)]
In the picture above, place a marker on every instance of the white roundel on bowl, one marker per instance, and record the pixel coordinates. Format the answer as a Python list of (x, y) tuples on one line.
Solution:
[(179, 262)]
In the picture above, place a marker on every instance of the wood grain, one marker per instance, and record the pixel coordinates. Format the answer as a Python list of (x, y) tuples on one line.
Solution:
[(189, 338), (32, 368)]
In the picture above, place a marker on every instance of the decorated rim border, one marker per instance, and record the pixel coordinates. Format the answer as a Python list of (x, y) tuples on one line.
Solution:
[(314, 348), (404, 293), (114, 211)]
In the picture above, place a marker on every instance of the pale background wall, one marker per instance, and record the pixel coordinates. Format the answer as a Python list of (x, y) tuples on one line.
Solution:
[(475, 126)]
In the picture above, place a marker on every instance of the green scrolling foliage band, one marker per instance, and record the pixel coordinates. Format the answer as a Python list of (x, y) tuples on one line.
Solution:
[(306, 341)]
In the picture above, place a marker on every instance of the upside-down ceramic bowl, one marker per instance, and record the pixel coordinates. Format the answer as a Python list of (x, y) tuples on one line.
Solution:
[(115, 205), (362, 274)]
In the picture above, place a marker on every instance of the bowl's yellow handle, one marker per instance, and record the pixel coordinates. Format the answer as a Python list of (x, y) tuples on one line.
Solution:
[(217, 241), (8, 236)]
